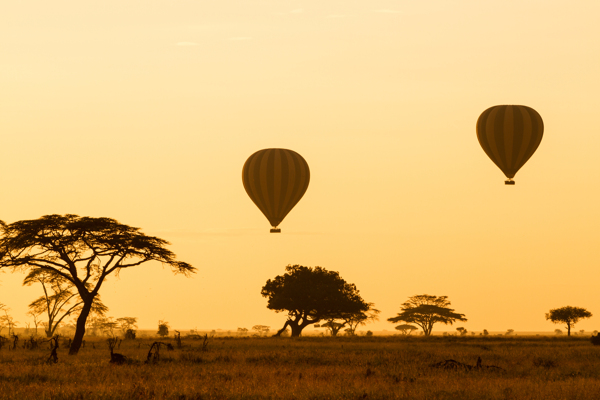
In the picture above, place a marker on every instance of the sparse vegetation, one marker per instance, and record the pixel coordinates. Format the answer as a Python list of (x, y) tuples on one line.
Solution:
[(424, 367)]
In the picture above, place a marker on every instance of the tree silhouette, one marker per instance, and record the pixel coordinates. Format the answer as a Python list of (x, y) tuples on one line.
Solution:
[(82, 250), (163, 328), (425, 311), (310, 295), (128, 326), (331, 326), (568, 315), (361, 318), (57, 298), (406, 329), (7, 320)]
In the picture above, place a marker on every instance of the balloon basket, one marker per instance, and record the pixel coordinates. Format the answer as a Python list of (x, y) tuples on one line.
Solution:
[(509, 182), (275, 230)]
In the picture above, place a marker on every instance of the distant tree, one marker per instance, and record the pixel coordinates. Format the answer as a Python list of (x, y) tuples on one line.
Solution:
[(108, 326), (7, 321), (568, 315), (485, 332), (36, 320), (310, 295), (361, 318), (128, 326), (558, 332), (84, 251), (4, 319), (60, 299), (425, 311), (163, 328), (351, 321), (509, 332), (2, 326), (462, 331), (261, 330), (331, 326), (406, 329), (94, 325), (242, 331)]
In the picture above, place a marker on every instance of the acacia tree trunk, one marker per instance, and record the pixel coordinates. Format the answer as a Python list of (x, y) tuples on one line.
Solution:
[(295, 325), (80, 330), (297, 329), (568, 329), (279, 332)]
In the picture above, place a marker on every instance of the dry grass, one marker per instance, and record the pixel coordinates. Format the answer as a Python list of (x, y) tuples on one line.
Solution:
[(313, 368)]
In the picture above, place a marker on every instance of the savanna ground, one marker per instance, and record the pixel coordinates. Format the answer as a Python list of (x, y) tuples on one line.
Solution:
[(312, 368)]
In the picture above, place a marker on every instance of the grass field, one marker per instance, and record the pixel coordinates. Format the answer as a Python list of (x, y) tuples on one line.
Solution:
[(312, 368)]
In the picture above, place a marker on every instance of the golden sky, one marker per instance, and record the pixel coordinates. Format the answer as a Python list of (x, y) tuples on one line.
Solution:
[(145, 111)]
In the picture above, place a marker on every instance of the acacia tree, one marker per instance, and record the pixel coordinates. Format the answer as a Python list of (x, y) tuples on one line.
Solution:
[(261, 330), (568, 315), (331, 326), (36, 320), (310, 295), (57, 298), (425, 311), (7, 320), (361, 318), (82, 250), (406, 329)]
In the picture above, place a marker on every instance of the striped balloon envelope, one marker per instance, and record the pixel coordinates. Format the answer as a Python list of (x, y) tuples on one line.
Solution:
[(509, 135), (275, 180)]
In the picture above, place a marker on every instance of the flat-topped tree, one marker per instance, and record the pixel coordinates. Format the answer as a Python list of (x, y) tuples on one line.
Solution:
[(425, 310), (310, 295), (84, 251), (568, 315)]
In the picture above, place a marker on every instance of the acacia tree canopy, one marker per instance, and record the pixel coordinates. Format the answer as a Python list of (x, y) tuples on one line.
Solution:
[(406, 329), (82, 250), (425, 311), (310, 295), (568, 315)]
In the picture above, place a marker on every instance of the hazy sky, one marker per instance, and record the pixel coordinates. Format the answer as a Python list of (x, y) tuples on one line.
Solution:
[(145, 111)]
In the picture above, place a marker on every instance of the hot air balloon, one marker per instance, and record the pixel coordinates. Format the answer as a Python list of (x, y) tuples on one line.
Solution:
[(509, 135), (275, 180)]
